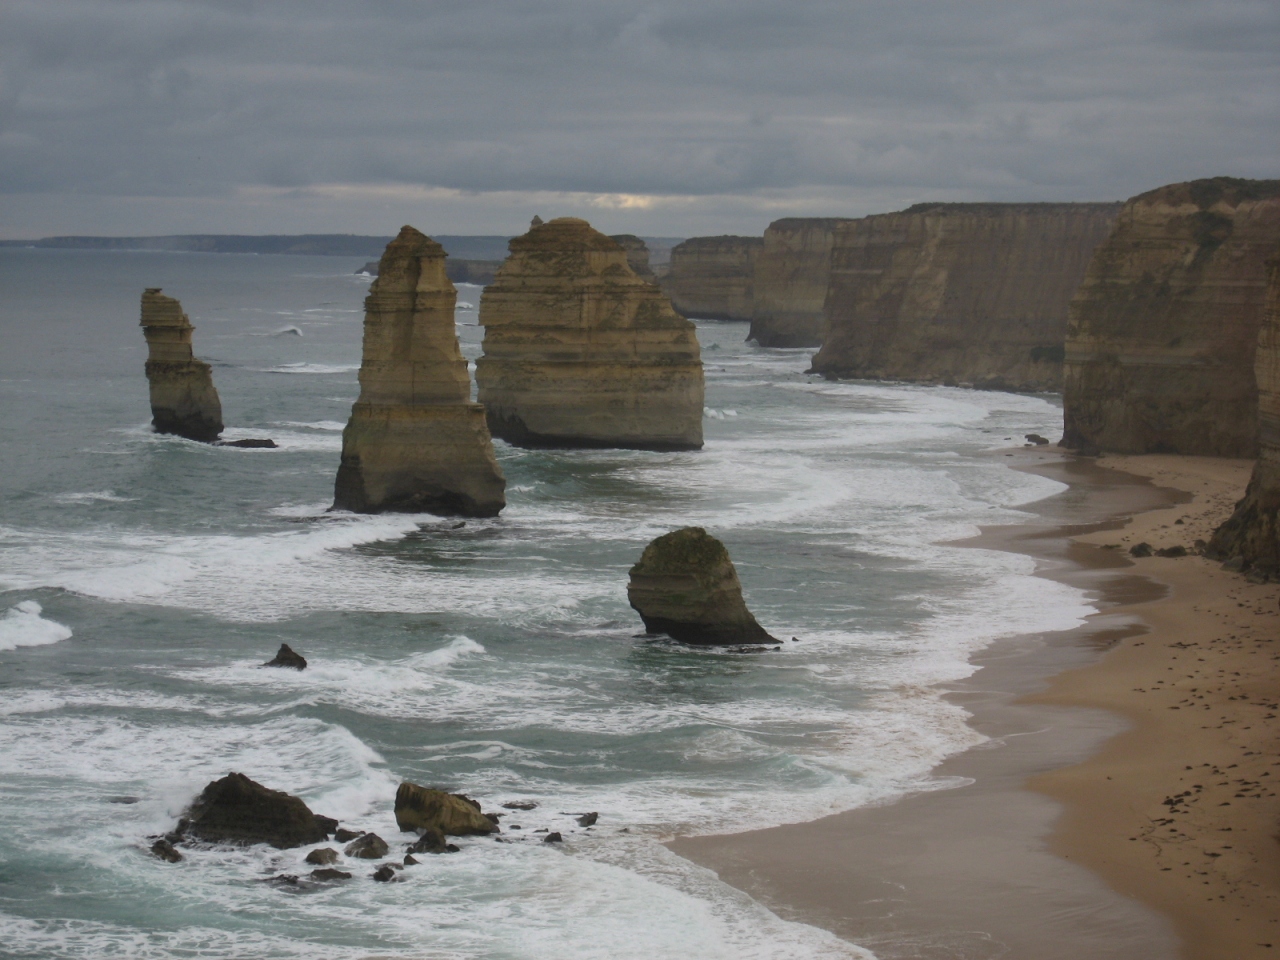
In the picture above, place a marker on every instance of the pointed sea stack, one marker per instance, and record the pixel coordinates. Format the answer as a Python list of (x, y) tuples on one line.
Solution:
[(686, 586), (581, 352), (415, 441), (183, 399)]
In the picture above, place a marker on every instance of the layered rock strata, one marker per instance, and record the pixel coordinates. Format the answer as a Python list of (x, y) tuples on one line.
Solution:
[(580, 352), (415, 440), (791, 276), (712, 278), (1252, 534), (958, 293), (183, 399), (637, 254), (685, 586), (1163, 331)]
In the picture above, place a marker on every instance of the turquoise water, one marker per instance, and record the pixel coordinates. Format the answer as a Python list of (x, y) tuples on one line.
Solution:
[(144, 578)]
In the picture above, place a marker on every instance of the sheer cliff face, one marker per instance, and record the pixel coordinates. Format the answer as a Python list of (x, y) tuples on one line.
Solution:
[(579, 351), (637, 254), (790, 282), (712, 278), (415, 441), (183, 398), (1161, 341), (1253, 532), (968, 293)]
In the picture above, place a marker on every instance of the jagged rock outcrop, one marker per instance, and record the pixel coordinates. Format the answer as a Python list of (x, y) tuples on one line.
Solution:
[(580, 352), (1163, 330), (792, 273), (415, 440), (958, 293), (447, 814), (183, 399), (236, 809), (1252, 534), (637, 254), (686, 586), (712, 278)]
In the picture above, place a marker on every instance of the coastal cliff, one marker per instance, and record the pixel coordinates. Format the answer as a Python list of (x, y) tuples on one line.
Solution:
[(967, 293), (791, 276), (183, 399), (712, 278), (1163, 331), (581, 352), (1253, 532), (415, 441), (637, 254)]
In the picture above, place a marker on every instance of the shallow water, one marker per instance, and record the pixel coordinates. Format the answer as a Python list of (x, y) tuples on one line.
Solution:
[(499, 658)]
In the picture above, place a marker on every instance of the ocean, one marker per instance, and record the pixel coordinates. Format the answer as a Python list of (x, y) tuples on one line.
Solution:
[(144, 579)]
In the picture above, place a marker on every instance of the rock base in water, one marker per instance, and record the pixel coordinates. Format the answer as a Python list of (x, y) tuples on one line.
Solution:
[(685, 586), (448, 814), (287, 657), (236, 809)]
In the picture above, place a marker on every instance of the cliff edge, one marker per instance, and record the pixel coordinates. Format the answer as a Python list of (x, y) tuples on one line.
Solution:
[(183, 399)]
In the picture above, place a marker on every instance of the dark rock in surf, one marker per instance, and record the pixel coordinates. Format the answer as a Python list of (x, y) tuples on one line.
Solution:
[(286, 657), (368, 847), (386, 874), (410, 860), (1035, 438), (236, 809), (343, 835), (431, 841), (165, 851), (553, 838), (449, 814), (328, 873), (369, 269), (519, 805), (253, 443), (322, 856), (588, 819), (329, 824)]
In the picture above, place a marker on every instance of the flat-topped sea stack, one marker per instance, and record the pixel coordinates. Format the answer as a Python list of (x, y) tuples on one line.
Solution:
[(1252, 534), (685, 586), (712, 278), (973, 294), (183, 399), (1163, 331), (792, 272), (415, 440), (637, 254), (581, 352)]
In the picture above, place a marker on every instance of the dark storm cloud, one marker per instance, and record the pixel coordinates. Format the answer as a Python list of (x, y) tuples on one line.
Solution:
[(977, 99)]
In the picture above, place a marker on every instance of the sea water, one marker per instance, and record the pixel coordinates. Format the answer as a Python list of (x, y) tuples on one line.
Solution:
[(144, 579)]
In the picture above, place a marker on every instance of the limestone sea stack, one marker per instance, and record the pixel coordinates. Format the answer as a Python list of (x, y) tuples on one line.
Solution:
[(712, 278), (580, 352), (1252, 534), (415, 440), (686, 586), (974, 294), (792, 272), (183, 399), (1163, 331)]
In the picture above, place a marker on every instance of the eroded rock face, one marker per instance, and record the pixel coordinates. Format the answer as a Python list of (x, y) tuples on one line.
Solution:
[(236, 809), (580, 352), (415, 441), (792, 272), (959, 293), (447, 814), (1163, 331), (1253, 532), (637, 254), (713, 278), (183, 399), (686, 586)]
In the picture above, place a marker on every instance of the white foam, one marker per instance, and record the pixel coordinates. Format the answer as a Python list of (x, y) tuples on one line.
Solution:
[(312, 368), (22, 626), (93, 496)]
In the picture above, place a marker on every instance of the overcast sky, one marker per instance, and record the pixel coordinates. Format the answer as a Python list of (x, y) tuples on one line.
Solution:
[(126, 117)]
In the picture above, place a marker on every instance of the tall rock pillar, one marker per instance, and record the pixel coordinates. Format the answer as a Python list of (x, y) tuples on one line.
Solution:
[(183, 399), (415, 441)]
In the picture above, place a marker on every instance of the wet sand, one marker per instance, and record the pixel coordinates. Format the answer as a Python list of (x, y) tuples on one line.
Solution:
[(977, 872)]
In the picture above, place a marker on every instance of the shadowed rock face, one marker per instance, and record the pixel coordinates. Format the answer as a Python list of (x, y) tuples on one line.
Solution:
[(415, 441), (1253, 532), (712, 278), (183, 399), (959, 293), (792, 272), (580, 352), (1163, 331), (637, 254), (686, 586)]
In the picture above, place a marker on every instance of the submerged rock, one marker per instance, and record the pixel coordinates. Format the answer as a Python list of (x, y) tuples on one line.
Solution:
[(286, 657), (448, 814), (553, 838), (686, 586), (253, 443), (588, 819), (519, 805), (183, 399), (432, 841), (386, 874), (165, 850), (328, 873), (236, 809), (415, 441), (368, 846)]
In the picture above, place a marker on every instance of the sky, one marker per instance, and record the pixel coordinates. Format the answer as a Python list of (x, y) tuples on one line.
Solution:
[(142, 117)]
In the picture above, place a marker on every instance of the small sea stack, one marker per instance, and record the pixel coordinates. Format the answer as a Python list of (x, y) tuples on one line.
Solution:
[(686, 586), (581, 352), (236, 809), (415, 440), (183, 399)]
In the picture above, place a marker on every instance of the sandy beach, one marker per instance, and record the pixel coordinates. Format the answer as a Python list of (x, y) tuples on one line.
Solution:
[(1120, 807)]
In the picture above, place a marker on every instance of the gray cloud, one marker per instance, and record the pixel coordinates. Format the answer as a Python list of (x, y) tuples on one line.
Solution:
[(704, 115)]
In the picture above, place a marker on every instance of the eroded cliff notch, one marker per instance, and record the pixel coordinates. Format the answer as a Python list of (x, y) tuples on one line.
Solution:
[(183, 399), (581, 352), (1163, 331), (415, 440)]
